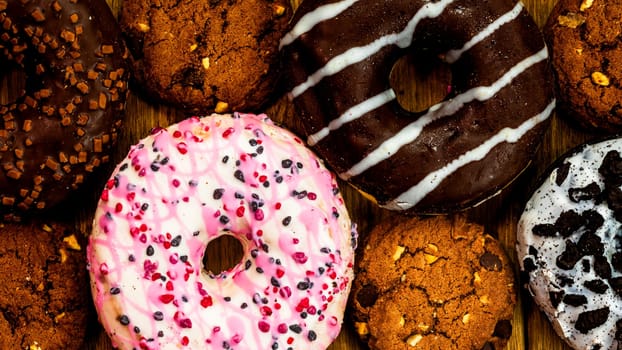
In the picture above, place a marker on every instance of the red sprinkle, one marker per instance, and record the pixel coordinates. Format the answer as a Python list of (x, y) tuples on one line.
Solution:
[(176, 183), (265, 311), (263, 326), (259, 214), (207, 301), (182, 148), (118, 207), (282, 328), (176, 134), (185, 341), (228, 132), (312, 196), (277, 206), (300, 257), (279, 273), (104, 195), (166, 298), (240, 212)]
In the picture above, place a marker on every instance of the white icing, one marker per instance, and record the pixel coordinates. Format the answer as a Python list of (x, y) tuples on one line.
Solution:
[(545, 207), (453, 55), (311, 19), (446, 108), (358, 54), (416, 193), (352, 114)]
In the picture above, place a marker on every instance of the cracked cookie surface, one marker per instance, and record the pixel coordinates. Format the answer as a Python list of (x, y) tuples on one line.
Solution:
[(585, 41), (44, 294), (433, 283), (201, 56)]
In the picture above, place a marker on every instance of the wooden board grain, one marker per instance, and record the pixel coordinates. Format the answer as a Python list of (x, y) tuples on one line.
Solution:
[(499, 215)]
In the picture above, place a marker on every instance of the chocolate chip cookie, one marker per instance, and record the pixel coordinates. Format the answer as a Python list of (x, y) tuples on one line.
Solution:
[(586, 48), (570, 246), (433, 283), (204, 56), (44, 294)]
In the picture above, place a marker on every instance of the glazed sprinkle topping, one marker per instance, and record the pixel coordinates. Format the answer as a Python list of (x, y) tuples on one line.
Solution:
[(276, 198)]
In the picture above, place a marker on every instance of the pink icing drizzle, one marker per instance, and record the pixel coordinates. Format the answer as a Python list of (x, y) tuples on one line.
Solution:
[(185, 185)]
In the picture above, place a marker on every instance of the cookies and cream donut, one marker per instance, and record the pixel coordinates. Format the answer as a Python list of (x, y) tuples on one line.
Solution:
[(339, 56), (570, 246), (63, 125), (184, 186)]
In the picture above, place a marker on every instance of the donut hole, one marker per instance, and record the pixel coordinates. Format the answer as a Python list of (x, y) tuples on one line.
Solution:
[(420, 80), (222, 254)]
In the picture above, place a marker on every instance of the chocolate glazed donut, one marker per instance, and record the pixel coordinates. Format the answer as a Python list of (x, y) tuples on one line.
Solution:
[(65, 122), (456, 153)]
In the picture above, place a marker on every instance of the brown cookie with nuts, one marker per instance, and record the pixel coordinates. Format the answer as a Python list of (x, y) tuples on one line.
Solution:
[(44, 295), (203, 56), (586, 48), (433, 283)]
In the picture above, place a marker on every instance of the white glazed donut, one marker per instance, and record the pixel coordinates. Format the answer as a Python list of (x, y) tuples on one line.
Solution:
[(182, 187), (570, 246)]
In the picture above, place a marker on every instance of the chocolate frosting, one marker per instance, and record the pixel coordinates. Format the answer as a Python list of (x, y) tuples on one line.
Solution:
[(451, 156), (63, 125)]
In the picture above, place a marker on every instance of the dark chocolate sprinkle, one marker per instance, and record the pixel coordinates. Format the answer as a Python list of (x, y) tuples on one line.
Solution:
[(591, 319), (243, 306), (123, 167), (124, 320), (225, 159), (529, 265), (303, 285), (287, 220), (575, 299), (227, 299), (238, 195), (136, 329), (184, 258), (259, 269), (601, 267), (150, 250), (158, 316), (154, 167), (144, 207), (616, 285), (164, 161), (589, 192), (238, 174), (176, 241), (544, 230), (569, 257), (223, 219), (160, 334), (115, 290), (618, 335), (275, 346), (286, 163), (295, 328), (274, 282), (218, 193), (260, 149), (491, 262), (131, 258), (252, 142), (311, 336), (596, 286)]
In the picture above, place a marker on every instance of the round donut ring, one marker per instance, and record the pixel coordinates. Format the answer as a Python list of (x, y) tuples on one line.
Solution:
[(456, 153), (62, 126), (198, 180)]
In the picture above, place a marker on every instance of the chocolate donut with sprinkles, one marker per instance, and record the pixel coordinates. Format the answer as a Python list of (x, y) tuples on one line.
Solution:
[(64, 123), (184, 186), (458, 152)]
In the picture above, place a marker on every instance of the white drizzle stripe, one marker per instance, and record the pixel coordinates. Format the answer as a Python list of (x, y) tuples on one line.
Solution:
[(453, 55), (446, 108), (352, 114), (358, 54), (313, 18), (416, 193)]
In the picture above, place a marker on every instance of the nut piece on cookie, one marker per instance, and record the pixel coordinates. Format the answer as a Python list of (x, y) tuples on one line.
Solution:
[(454, 285)]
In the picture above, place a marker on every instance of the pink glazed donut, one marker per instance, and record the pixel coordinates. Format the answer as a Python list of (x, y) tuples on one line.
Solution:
[(203, 178)]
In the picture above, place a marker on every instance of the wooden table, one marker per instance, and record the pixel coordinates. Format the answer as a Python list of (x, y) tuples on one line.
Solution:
[(499, 215)]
